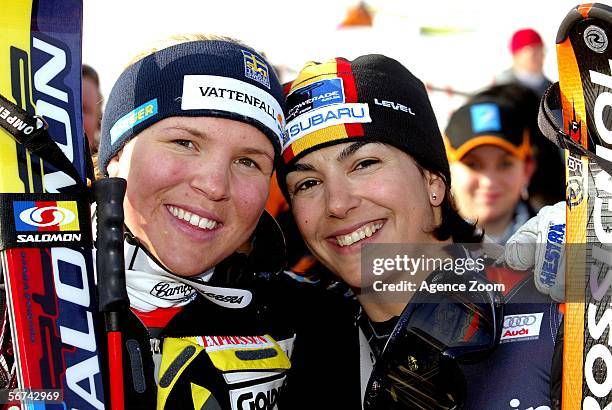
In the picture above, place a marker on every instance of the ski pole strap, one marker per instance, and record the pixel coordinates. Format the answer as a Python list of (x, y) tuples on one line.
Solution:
[(42, 220), (555, 133), (31, 132)]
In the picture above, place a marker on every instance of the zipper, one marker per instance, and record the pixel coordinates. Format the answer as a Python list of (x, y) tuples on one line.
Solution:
[(157, 356)]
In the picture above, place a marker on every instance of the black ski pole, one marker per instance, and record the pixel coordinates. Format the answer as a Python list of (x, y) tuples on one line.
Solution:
[(110, 265)]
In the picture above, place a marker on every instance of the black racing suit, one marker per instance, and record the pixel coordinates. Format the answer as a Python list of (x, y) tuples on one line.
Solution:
[(517, 376), (215, 357)]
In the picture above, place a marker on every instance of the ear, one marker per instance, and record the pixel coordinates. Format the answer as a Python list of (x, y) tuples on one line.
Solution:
[(436, 188), (113, 166), (530, 167)]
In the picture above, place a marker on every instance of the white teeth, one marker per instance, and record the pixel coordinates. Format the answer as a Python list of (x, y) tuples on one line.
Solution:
[(193, 219), (359, 234)]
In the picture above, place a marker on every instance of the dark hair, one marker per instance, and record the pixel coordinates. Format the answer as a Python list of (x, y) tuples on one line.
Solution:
[(545, 186), (88, 72), (452, 225)]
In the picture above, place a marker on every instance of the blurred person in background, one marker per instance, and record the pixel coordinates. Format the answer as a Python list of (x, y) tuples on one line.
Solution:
[(546, 186), (92, 106), (528, 54), (488, 147)]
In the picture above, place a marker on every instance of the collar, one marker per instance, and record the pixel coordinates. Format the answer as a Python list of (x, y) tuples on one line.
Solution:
[(267, 258), (522, 214), (229, 284)]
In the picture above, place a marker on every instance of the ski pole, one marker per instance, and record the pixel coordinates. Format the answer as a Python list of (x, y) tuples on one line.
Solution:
[(112, 293)]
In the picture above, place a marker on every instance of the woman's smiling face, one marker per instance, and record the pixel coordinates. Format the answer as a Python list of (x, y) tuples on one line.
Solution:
[(487, 183), (196, 188), (350, 194)]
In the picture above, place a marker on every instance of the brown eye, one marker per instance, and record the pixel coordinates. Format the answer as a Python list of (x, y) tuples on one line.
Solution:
[(305, 185), (474, 165), (248, 162), (366, 163), (184, 143)]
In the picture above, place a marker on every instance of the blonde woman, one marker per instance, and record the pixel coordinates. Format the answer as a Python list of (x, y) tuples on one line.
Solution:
[(194, 126)]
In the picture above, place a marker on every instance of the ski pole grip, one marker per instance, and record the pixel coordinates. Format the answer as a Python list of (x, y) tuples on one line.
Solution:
[(110, 264)]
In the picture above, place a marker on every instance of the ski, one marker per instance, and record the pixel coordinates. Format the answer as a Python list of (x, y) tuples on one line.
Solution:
[(45, 229), (584, 57)]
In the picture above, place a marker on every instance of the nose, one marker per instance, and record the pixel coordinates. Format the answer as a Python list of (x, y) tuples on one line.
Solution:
[(487, 178), (341, 199), (211, 178)]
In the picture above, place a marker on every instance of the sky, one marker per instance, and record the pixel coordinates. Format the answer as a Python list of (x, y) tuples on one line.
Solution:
[(291, 33)]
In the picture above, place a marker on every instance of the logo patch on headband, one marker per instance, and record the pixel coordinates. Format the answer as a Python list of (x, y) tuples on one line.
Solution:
[(210, 92), (485, 117), (324, 117), (255, 68), (132, 118), (315, 95)]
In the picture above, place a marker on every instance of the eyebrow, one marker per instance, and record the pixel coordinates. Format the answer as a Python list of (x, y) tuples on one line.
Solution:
[(257, 151), (346, 152), (301, 167), (351, 149), (191, 130), (197, 133)]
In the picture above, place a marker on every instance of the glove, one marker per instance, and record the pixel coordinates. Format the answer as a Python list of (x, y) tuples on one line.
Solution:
[(540, 244)]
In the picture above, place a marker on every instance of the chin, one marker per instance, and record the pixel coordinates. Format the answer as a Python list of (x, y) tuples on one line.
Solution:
[(491, 217), (485, 215), (354, 281), (183, 267), (188, 274)]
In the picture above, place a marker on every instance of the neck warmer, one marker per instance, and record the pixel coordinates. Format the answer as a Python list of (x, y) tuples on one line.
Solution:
[(151, 286)]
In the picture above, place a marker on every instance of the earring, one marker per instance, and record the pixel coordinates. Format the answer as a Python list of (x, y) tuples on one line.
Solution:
[(434, 196), (524, 193)]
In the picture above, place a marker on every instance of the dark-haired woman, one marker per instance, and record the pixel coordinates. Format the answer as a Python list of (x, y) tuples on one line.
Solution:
[(364, 164)]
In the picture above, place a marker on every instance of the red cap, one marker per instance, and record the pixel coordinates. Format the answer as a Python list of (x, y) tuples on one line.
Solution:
[(524, 37)]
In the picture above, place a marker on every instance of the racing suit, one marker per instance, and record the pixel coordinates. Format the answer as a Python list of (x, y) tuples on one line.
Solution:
[(215, 351), (516, 376)]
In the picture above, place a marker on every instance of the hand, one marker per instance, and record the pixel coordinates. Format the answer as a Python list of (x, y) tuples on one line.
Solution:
[(540, 244)]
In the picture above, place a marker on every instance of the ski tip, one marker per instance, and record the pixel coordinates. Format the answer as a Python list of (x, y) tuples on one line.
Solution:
[(581, 12)]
